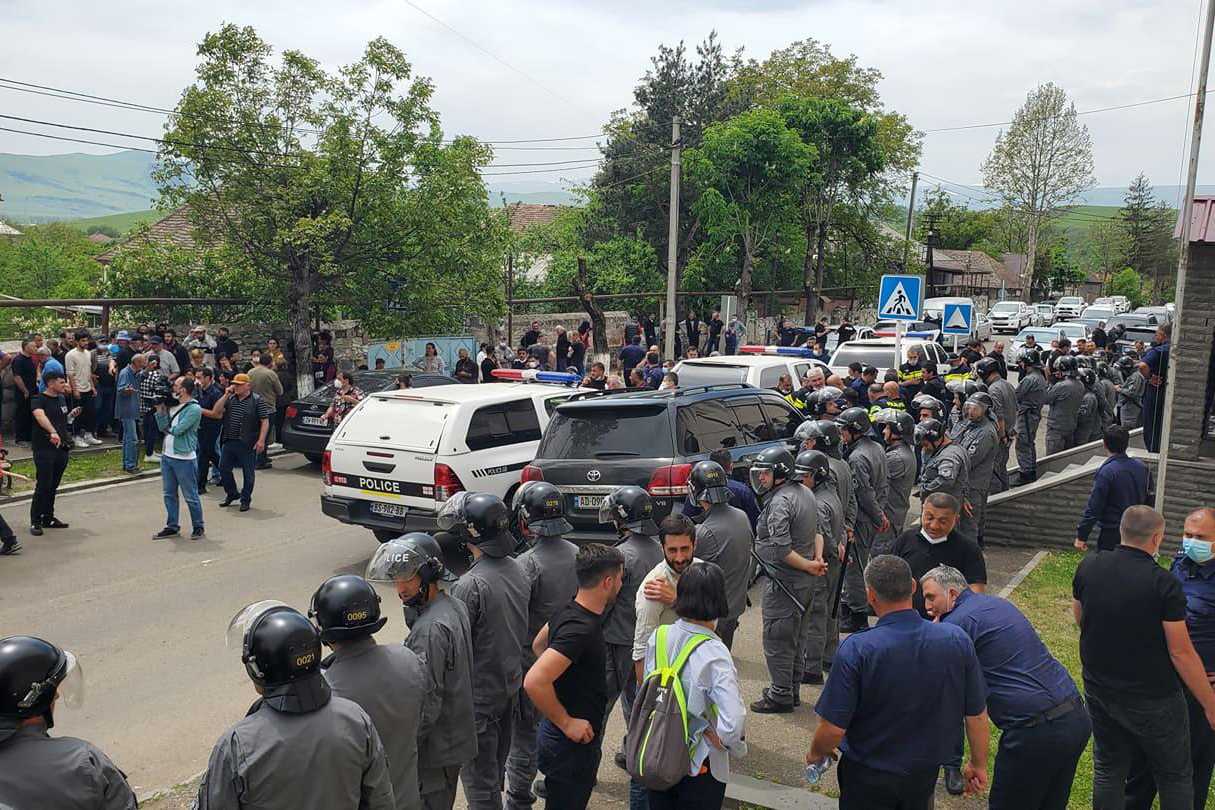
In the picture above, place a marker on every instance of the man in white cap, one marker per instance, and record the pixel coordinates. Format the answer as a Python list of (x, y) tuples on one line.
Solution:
[(199, 339)]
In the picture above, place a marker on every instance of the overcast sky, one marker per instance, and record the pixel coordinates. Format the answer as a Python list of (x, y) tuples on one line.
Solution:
[(946, 63)]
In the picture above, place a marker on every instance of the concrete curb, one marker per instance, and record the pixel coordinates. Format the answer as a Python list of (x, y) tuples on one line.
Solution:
[(158, 793), (1020, 576)]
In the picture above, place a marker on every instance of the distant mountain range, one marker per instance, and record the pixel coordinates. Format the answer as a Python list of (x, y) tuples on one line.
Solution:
[(1101, 195)]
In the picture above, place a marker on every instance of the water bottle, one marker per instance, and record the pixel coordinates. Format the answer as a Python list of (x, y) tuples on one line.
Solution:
[(815, 770)]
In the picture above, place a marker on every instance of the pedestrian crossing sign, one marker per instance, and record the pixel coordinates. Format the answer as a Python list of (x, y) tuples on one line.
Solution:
[(900, 298), (957, 319)]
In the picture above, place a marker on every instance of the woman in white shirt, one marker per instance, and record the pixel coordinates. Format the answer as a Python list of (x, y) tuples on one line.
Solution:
[(716, 713)]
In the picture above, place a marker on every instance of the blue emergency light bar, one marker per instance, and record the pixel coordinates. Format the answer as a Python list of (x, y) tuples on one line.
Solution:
[(783, 351), (535, 375)]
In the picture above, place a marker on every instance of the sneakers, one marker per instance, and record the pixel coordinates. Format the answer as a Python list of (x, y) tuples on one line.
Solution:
[(197, 533), (244, 507), (166, 533), (79, 442), (228, 501), (766, 705), (54, 523), (152, 457), (93, 440), (10, 548), (36, 530)]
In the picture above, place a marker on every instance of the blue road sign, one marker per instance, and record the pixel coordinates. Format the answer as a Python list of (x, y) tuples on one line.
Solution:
[(957, 319), (900, 298)]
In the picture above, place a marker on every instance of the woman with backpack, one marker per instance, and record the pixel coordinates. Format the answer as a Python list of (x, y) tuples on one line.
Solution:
[(714, 706)]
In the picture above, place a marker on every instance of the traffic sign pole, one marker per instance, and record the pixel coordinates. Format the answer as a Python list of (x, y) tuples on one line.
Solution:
[(900, 329)]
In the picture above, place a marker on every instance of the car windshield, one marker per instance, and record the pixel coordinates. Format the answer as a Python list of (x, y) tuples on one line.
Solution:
[(1073, 330), (581, 432), (367, 382), (876, 356), (1071, 301), (1145, 333), (1006, 306), (1098, 312), (691, 373), (1040, 335)]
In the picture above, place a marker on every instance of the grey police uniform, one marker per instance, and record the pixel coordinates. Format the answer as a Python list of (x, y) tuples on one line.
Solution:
[(1031, 394), (447, 738), (41, 771), (948, 470), (641, 553), (900, 475), (319, 760), (389, 684), (980, 441), (1108, 395), (868, 462), (496, 592), (845, 488), (788, 522), (724, 537), (549, 568), (822, 635), (1064, 398), (1004, 396), (1130, 400), (1088, 419)]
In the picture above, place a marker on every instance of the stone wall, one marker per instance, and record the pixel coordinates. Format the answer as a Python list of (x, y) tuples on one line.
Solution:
[(1192, 355)]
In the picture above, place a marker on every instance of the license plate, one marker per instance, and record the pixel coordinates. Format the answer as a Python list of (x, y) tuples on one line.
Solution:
[(389, 509), (588, 501), (314, 421)]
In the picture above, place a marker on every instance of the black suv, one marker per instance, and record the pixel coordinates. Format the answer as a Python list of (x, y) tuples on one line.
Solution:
[(597, 441)]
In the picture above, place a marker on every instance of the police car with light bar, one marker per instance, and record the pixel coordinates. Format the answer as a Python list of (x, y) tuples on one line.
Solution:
[(759, 366), (398, 455)]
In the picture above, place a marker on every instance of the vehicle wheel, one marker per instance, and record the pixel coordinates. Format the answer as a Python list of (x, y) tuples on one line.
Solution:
[(384, 535), (314, 458)]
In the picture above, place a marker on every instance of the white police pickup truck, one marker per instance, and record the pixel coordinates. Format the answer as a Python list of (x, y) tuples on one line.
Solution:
[(398, 455)]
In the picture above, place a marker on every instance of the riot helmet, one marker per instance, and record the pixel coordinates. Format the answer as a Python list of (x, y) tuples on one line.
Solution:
[(478, 519), (813, 465), (1125, 364), (826, 435), (900, 422), (1031, 358), (32, 673), (772, 466), (540, 509), (820, 399), (707, 482), (961, 389), (346, 608), (927, 402), (398, 561), (979, 399), (1088, 377), (930, 431), (281, 651), (855, 420), (629, 508), (987, 366), (1066, 366)]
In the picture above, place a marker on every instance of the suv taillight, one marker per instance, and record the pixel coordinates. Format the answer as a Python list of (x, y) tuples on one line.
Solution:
[(292, 412), (327, 468), (447, 483), (531, 473), (670, 480)]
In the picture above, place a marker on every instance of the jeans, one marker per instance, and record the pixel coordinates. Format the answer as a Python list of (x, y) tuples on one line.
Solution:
[(569, 768), (180, 473), (622, 684), (231, 453), (1035, 766), (105, 410), (84, 423), (151, 432), (49, 466), (701, 792), (208, 451), (1141, 787), (130, 445), (1156, 728), (865, 788), (483, 776)]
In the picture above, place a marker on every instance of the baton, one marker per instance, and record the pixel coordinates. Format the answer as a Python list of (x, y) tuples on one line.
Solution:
[(780, 586), (10, 474), (839, 584)]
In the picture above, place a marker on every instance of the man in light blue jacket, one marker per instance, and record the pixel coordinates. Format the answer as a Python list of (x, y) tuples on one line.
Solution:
[(126, 411), (179, 458)]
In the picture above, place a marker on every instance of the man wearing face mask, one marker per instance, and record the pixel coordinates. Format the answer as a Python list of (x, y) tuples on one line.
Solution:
[(1194, 568), (440, 634)]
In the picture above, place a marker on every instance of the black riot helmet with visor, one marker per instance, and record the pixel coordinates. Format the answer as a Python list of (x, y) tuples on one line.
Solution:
[(927, 402), (900, 422), (629, 508), (346, 608), (772, 466), (539, 509), (812, 466), (707, 482), (826, 435), (931, 431), (479, 519), (33, 673), (281, 651), (398, 561)]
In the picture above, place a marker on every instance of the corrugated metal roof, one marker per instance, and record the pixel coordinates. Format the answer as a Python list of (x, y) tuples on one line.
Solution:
[(8, 230), (1202, 222)]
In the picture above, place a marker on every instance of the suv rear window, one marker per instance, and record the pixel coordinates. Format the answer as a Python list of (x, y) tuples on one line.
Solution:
[(705, 427), (876, 356), (607, 432), (710, 374), (503, 424)]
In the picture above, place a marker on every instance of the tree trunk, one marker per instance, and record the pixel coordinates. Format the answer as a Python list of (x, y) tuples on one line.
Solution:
[(1031, 250), (598, 321), (299, 306), (744, 282), (819, 262)]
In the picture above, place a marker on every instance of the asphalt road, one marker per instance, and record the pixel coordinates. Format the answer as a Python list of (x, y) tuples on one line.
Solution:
[(147, 619)]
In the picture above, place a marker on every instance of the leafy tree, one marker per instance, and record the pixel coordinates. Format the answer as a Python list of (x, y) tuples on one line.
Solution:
[(105, 230), (1042, 162), (1129, 283), (1103, 250), (1147, 226), (750, 168), (46, 261), (1056, 271), (333, 188)]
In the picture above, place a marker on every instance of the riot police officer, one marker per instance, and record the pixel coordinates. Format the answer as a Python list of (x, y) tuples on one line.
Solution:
[(548, 565), (898, 429), (785, 545), (1004, 400), (946, 469), (1031, 394), (495, 590), (1130, 393), (36, 769), (723, 536), (822, 630), (960, 390), (980, 440), (387, 681), (299, 746), (1107, 392), (439, 633), (1064, 398), (825, 437), (1088, 418), (868, 462), (926, 406), (827, 401)]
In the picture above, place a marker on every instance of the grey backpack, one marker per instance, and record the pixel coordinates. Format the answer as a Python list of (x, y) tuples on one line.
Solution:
[(656, 749)]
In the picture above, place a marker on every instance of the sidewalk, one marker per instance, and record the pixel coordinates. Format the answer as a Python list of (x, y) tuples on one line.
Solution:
[(16, 453)]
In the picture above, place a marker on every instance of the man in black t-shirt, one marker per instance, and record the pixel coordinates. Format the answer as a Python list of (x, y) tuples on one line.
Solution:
[(51, 438), (936, 541), (1133, 646), (568, 682), (25, 386)]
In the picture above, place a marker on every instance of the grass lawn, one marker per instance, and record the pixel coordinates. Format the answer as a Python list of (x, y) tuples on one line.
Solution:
[(81, 467), (119, 222)]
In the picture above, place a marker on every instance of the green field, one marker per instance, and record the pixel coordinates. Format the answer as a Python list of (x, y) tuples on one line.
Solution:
[(1080, 219), (119, 222)]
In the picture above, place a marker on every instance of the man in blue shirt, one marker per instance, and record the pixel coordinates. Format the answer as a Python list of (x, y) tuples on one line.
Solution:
[(1194, 568), (1121, 482), (631, 355), (1030, 696), (894, 731), (49, 364), (1156, 359)]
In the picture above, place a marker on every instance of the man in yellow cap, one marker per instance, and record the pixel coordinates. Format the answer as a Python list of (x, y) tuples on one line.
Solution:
[(246, 420)]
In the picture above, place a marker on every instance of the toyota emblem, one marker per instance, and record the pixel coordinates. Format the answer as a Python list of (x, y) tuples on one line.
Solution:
[(593, 475)]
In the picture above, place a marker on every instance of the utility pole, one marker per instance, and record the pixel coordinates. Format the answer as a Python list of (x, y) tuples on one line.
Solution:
[(510, 294), (930, 240), (670, 321), (1183, 258), (915, 178)]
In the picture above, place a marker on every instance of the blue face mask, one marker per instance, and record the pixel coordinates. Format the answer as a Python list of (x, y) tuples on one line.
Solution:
[(1197, 550)]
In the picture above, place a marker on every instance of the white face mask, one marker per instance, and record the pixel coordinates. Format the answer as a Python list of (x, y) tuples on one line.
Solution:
[(933, 540)]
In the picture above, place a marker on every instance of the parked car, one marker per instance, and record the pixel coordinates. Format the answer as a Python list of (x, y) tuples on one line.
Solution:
[(879, 353), (1125, 341), (1045, 313), (1073, 330), (1105, 302), (1097, 313), (1069, 307), (1043, 335), (1164, 314), (759, 369), (1121, 304), (934, 311), (304, 427), (925, 330), (1010, 316), (399, 455), (601, 440)]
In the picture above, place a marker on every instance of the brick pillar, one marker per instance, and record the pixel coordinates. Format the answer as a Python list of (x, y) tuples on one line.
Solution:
[(1192, 355)]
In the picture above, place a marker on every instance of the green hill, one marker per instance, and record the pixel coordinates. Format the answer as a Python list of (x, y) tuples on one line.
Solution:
[(119, 222), (42, 188)]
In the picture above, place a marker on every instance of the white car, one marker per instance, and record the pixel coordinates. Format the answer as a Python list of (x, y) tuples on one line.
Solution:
[(1044, 314), (1010, 316), (1069, 307), (1122, 304), (879, 353), (934, 310), (1043, 335), (398, 455), (760, 369), (1073, 330)]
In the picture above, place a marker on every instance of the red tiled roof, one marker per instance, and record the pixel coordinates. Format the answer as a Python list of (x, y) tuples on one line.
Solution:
[(1202, 221), (99, 238), (525, 215), (175, 228)]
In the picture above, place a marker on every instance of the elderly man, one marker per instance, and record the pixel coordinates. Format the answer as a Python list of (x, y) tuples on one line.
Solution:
[(199, 339), (246, 420), (1030, 696), (1134, 647)]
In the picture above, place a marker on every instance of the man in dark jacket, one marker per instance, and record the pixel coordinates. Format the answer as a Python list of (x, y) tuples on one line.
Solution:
[(1120, 482)]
